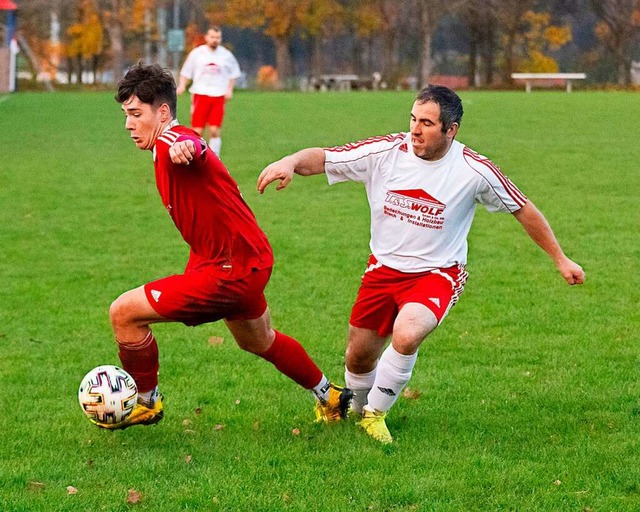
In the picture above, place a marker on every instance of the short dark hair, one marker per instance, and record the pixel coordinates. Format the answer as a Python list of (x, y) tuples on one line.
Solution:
[(449, 102), (151, 84)]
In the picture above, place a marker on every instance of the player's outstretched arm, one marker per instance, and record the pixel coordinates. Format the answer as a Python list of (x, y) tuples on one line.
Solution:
[(305, 163), (183, 81), (541, 233)]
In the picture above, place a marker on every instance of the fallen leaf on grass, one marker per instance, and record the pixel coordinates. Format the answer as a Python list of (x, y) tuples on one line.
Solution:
[(219, 427), (557, 482), (295, 431), (186, 423), (133, 496), (36, 486), (187, 459), (215, 340), (198, 410), (411, 394), (237, 402), (72, 490), (189, 431)]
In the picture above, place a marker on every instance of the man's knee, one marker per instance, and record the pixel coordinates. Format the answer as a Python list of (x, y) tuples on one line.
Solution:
[(359, 361), (119, 312), (363, 350), (407, 338), (128, 311), (413, 324)]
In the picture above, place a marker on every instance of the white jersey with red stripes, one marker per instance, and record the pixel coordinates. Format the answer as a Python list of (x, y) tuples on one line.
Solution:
[(210, 70), (421, 211)]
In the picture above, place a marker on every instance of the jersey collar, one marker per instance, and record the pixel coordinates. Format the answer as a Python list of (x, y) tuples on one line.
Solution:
[(166, 128)]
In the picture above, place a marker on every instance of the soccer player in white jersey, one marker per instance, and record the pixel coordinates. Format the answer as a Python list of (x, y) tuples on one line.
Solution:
[(422, 187), (213, 71)]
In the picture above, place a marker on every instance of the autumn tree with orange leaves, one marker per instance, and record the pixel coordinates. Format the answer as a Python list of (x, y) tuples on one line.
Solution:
[(541, 37), (281, 20), (86, 39)]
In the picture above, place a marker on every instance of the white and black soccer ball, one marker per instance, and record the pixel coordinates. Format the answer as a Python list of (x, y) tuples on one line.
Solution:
[(107, 394)]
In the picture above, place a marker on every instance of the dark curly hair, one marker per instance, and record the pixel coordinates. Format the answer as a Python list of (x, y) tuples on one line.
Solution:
[(151, 84)]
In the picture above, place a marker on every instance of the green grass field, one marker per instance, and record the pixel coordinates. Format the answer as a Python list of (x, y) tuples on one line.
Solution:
[(530, 390)]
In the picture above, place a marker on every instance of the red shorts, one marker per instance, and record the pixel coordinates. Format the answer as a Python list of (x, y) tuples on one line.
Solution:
[(201, 296), (206, 110), (384, 291)]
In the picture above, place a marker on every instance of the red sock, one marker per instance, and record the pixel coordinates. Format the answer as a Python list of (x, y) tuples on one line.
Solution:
[(291, 359), (140, 360)]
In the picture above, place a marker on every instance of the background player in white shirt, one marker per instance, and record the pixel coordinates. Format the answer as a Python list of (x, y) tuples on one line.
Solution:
[(213, 70), (422, 187)]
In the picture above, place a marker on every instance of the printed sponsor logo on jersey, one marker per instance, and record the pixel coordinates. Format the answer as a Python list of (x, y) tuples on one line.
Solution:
[(156, 295), (404, 148), (212, 68), (416, 207)]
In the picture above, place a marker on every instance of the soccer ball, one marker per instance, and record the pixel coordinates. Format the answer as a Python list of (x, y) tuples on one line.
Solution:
[(107, 394)]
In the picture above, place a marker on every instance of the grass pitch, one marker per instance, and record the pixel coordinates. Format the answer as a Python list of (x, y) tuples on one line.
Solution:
[(528, 393)]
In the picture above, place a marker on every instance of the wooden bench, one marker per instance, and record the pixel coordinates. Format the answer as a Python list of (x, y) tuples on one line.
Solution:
[(337, 82), (548, 77)]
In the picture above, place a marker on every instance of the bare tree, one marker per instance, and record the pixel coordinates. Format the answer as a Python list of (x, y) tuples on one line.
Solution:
[(364, 20), (430, 13), (510, 16), (619, 29), (479, 17), (391, 35)]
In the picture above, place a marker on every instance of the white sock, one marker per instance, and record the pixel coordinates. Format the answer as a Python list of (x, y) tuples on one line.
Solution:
[(394, 371), (215, 143), (360, 384), (321, 391), (148, 398)]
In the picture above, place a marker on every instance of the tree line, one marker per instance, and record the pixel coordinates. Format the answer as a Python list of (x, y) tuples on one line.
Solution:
[(485, 40)]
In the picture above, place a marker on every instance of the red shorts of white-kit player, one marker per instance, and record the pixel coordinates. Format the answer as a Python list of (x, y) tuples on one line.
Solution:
[(207, 110), (201, 296), (384, 291)]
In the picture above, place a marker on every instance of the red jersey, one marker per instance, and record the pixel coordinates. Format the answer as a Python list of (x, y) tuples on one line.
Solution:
[(206, 206)]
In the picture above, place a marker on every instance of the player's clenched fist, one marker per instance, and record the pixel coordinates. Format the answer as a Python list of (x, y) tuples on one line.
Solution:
[(182, 152)]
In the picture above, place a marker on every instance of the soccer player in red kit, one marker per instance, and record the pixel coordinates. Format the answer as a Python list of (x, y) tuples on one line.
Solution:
[(229, 265)]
